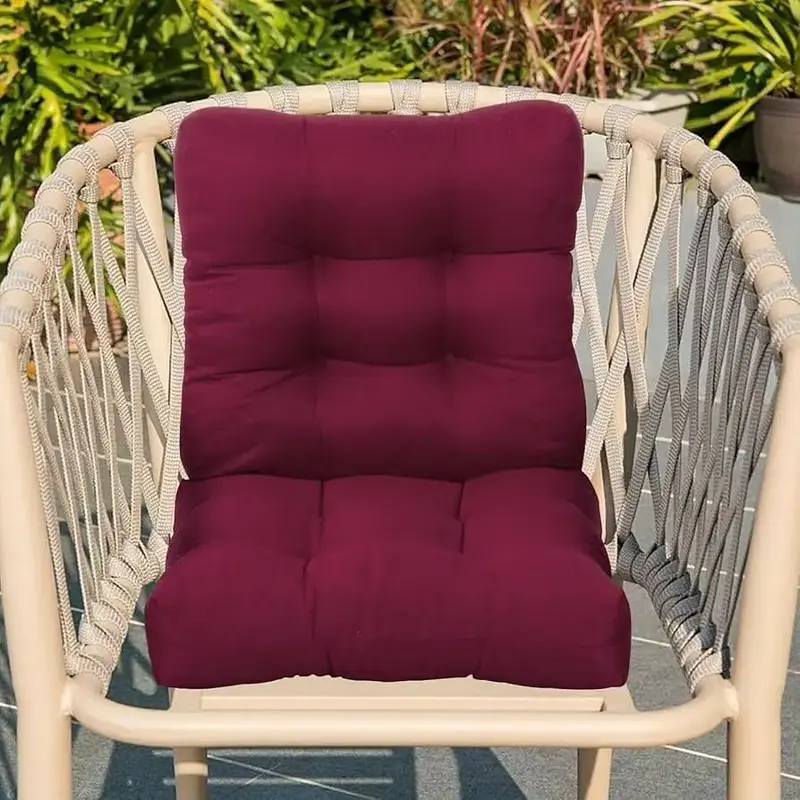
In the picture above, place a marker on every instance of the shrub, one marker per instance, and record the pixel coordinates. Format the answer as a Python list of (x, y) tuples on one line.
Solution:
[(70, 66), (732, 53), (591, 47)]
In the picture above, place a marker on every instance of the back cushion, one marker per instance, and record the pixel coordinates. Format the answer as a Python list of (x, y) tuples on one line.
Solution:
[(380, 294)]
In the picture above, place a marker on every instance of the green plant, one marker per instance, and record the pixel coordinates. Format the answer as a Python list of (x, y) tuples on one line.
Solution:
[(67, 67), (308, 42), (591, 47), (731, 53)]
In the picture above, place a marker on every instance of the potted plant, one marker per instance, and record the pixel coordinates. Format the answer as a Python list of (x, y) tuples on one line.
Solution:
[(742, 57), (596, 48)]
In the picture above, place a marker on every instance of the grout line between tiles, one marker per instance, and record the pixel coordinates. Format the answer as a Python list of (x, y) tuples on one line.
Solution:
[(657, 643), (232, 762), (293, 752), (720, 759)]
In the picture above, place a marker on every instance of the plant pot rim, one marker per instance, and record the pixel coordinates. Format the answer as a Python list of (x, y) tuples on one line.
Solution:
[(775, 104)]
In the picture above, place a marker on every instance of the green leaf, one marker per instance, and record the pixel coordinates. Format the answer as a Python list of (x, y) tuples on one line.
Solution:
[(730, 52), (746, 106), (77, 61), (56, 14), (781, 45), (11, 71), (659, 17), (50, 75), (61, 58)]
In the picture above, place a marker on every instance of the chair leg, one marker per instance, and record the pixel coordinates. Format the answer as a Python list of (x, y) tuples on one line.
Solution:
[(191, 763), (594, 774), (594, 763), (44, 756), (191, 773), (754, 755)]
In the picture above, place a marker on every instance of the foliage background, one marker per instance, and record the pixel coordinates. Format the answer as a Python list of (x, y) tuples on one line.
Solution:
[(591, 47), (732, 53), (69, 66)]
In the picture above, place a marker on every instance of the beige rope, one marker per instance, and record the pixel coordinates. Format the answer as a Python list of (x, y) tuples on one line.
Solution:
[(516, 93), (285, 98), (344, 97), (229, 100), (460, 96), (405, 97)]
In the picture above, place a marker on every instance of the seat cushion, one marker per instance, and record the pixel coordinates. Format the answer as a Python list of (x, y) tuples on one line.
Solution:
[(503, 577), (383, 416), (380, 294)]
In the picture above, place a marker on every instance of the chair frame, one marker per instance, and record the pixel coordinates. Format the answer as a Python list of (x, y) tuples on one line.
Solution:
[(330, 712)]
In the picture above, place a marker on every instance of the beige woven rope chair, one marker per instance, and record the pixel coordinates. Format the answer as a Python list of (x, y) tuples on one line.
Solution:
[(71, 498)]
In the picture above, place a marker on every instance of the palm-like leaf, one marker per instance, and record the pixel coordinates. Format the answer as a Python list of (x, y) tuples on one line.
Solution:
[(733, 53)]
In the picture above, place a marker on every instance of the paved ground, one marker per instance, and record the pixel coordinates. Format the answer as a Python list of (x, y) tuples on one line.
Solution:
[(696, 770)]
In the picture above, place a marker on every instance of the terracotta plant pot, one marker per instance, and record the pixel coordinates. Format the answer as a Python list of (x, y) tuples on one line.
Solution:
[(777, 133)]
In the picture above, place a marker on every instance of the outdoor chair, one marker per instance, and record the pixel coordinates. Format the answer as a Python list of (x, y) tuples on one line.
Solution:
[(343, 460)]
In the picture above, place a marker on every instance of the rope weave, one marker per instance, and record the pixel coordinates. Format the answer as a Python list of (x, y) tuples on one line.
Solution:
[(344, 97), (460, 96), (285, 98), (515, 94), (692, 442), (405, 97), (576, 104), (230, 99)]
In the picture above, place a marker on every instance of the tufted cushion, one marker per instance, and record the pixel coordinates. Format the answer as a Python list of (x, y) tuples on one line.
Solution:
[(383, 417)]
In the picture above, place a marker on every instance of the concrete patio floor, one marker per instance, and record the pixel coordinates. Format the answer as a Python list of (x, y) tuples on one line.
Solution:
[(692, 771)]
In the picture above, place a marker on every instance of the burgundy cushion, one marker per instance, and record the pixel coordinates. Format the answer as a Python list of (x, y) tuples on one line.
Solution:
[(389, 578), (383, 416)]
